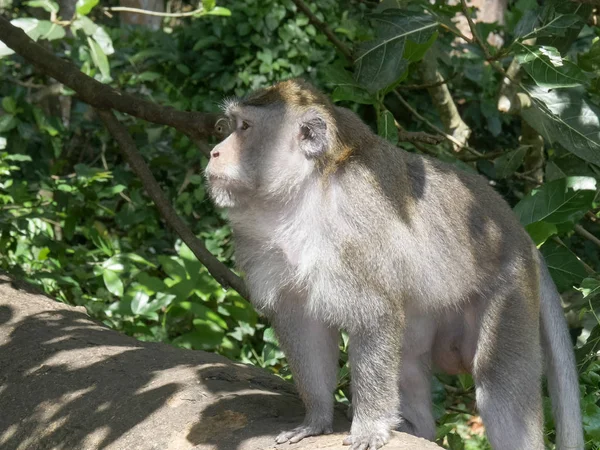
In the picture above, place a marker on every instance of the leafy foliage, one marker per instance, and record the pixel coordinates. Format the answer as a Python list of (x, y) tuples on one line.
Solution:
[(75, 220)]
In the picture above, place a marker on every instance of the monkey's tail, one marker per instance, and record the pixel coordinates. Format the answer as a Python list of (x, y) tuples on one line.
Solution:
[(561, 371)]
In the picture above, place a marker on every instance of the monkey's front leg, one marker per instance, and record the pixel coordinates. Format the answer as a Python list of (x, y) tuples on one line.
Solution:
[(374, 362), (311, 348)]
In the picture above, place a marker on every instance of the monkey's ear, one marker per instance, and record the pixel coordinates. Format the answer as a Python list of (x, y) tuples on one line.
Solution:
[(313, 135)]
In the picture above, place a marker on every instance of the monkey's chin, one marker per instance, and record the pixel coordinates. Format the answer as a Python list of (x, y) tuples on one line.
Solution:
[(222, 197)]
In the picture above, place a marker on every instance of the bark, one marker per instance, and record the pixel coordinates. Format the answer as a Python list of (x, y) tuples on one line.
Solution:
[(68, 382), (443, 102)]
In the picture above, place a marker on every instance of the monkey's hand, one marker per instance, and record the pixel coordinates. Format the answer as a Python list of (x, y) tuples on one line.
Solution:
[(304, 430), (367, 441)]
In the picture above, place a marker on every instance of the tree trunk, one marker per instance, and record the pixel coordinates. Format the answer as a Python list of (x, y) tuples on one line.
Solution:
[(69, 382)]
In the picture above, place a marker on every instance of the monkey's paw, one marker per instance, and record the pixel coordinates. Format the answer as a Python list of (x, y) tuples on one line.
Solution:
[(299, 433), (371, 441)]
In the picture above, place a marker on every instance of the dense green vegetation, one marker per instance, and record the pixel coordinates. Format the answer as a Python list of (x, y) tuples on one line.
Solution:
[(74, 219)]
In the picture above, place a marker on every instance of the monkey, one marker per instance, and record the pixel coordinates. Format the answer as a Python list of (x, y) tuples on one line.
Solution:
[(424, 266)]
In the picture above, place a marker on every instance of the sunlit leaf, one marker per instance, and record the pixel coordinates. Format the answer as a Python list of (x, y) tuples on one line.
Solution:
[(48, 5), (567, 117), (113, 282), (590, 288), (564, 200), (219, 11), (541, 231), (85, 6), (547, 68), (99, 58)]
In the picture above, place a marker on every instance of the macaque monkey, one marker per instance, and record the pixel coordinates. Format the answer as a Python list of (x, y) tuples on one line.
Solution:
[(424, 266)]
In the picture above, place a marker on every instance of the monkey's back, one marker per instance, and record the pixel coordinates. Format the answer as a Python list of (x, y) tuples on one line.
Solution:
[(448, 232)]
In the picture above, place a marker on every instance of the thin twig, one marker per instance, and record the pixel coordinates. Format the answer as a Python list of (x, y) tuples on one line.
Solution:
[(456, 33), (588, 269), (152, 13), (586, 234), (476, 37), (322, 26), (216, 268), (407, 87), (433, 127), (491, 155)]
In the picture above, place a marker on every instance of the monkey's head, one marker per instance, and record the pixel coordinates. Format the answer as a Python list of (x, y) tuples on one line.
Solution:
[(279, 137)]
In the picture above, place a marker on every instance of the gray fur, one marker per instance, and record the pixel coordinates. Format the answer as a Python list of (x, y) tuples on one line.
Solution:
[(423, 265)]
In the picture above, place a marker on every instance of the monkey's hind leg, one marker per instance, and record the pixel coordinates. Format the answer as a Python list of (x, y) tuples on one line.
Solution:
[(311, 348), (507, 370), (415, 397)]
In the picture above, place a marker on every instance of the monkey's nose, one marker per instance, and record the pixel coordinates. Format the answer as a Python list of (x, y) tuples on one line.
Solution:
[(214, 153)]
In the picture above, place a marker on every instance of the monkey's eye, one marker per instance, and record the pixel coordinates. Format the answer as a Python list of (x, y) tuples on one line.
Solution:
[(245, 125)]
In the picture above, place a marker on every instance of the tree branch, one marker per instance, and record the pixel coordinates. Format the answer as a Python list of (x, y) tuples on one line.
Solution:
[(216, 268), (196, 125), (433, 127), (586, 234), (476, 37), (322, 26), (152, 13), (444, 103)]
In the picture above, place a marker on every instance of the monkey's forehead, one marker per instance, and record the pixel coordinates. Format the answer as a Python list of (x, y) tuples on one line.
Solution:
[(295, 93)]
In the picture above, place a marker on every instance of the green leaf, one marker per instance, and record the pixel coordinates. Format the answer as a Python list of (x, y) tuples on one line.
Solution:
[(270, 337), (591, 417), (346, 89), (172, 267), (203, 338), (203, 312), (219, 11), (208, 4), (139, 302), (7, 123), (590, 61), (103, 40), (380, 62), (17, 157), (150, 283), (99, 58), (414, 51), (508, 163), (564, 266), (556, 26), (48, 5), (85, 6), (113, 282), (386, 128), (50, 31), (240, 309), (547, 68), (540, 231), (9, 105), (567, 117), (590, 288), (559, 201)]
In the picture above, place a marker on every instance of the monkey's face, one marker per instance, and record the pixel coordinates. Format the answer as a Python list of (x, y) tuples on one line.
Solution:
[(268, 154)]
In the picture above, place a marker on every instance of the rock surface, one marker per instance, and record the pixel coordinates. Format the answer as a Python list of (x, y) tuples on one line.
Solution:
[(67, 382)]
